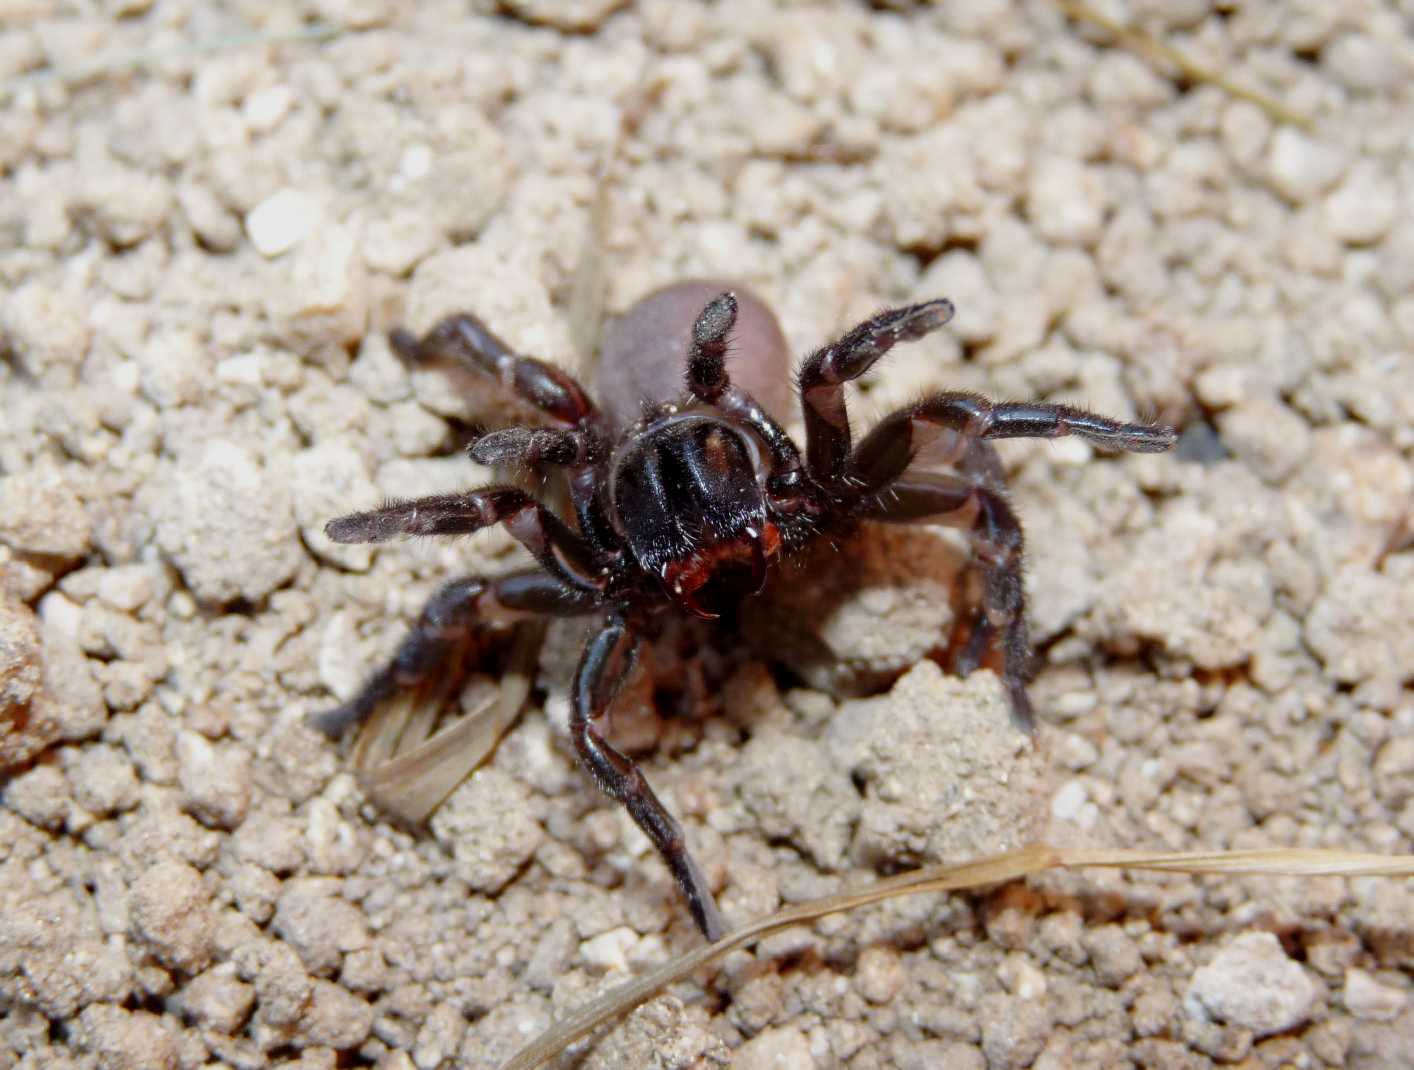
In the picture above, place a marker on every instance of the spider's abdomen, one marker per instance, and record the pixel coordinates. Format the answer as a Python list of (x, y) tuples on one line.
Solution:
[(687, 501), (642, 356)]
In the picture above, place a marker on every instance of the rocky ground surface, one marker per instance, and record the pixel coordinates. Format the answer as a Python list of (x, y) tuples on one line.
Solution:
[(202, 243)]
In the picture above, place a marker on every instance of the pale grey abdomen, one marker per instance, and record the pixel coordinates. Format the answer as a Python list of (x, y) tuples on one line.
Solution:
[(645, 351)]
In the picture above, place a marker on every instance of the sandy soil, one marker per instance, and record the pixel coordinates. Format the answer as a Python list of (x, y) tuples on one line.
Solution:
[(198, 261)]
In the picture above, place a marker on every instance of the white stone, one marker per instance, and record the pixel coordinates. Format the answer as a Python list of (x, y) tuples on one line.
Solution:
[(488, 823), (609, 950), (1072, 452), (1367, 998), (781, 1048), (216, 782), (325, 479), (1364, 62), (1066, 201), (126, 588), (942, 770), (244, 369), (281, 221), (264, 108), (1362, 209), (1076, 753), (415, 162), (1301, 168), (1067, 803), (226, 524), (1253, 985), (328, 292)]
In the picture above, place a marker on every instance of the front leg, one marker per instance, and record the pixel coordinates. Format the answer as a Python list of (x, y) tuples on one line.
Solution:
[(709, 382), (559, 550), (606, 663), (824, 373)]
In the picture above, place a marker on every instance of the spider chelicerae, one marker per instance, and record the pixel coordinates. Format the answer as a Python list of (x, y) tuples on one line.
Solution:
[(686, 491)]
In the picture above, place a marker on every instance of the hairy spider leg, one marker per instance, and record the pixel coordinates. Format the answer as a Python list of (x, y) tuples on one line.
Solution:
[(605, 665), (560, 551), (982, 466), (448, 618), (464, 340), (709, 381), (823, 374), (706, 355), (977, 495), (893, 443)]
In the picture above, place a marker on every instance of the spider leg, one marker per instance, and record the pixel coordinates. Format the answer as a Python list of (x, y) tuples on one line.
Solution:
[(891, 446), (981, 466), (709, 381), (997, 545), (962, 423), (824, 373), (606, 663), (463, 339), (706, 356), (448, 618), (560, 551)]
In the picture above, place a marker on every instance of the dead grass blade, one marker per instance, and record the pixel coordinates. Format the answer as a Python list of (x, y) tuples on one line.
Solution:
[(1011, 865), (1268, 862), (407, 771), (1155, 49)]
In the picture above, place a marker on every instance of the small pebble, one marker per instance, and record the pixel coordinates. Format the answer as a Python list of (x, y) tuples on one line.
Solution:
[(1300, 167), (172, 914), (126, 1040), (488, 825), (1361, 210), (215, 780), (226, 524), (40, 514), (782, 1048), (1066, 202), (1367, 998), (217, 999), (879, 975), (609, 950), (334, 1018), (263, 109), (1252, 984), (318, 923), (281, 221)]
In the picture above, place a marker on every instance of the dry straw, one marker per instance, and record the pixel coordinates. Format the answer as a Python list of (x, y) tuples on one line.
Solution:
[(1163, 54), (1276, 862)]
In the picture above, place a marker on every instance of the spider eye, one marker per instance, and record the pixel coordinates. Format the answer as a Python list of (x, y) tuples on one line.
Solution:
[(787, 484)]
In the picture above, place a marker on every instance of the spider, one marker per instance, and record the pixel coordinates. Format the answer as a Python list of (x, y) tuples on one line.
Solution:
[(686, 491)]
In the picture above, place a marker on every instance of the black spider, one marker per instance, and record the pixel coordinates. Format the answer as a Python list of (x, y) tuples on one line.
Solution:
[(685, 502)]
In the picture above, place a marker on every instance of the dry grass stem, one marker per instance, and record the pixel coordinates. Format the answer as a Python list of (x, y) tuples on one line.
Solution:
[(407, 770), (1152, 47), (1011, 865)]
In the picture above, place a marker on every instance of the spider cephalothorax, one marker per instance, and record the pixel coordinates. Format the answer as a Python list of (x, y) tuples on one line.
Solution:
[(686, 505)]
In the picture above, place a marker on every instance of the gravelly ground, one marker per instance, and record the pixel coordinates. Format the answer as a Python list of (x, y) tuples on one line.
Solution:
[(199, 261)]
